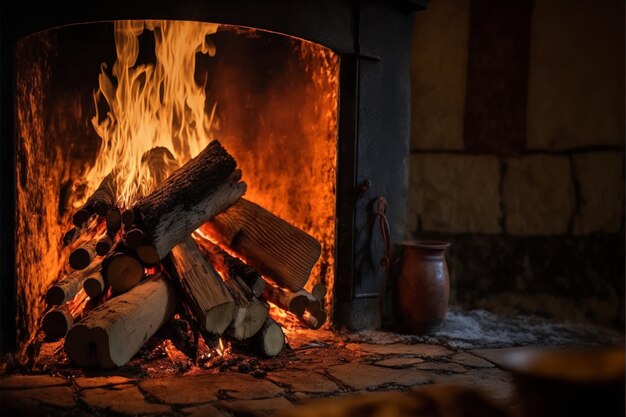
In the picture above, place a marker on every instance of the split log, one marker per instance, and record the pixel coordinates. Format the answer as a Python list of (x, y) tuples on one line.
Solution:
[(270, 340), (193, 194), (68, 287), (71, 235), (295, 302), (81, 217), (160, 164), (203, 289), (57, 322), (134, 238), (113, 222), (83, 256), (103, 246), (94, 285), (111, 334), (319, 292), (250, 313), (100, 202), (272, 246), (128, 218), (314, 320), (230, 266), (121, 269)]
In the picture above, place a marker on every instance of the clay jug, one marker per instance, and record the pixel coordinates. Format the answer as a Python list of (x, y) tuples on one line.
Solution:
[(422, 286)]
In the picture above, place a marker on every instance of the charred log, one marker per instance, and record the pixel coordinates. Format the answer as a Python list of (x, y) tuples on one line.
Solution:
[(100, 202), (193, 194)]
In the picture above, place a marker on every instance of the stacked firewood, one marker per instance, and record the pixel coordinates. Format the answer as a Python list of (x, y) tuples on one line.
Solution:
[(152, 256)]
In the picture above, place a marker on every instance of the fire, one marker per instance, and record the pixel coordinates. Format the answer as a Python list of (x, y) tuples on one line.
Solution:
[(150, 105), (279, 122)]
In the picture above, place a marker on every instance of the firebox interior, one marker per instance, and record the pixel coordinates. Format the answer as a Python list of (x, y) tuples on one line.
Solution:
[(270, 99)]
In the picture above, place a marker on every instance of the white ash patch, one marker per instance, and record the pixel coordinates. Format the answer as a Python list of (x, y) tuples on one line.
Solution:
[(477, 329)]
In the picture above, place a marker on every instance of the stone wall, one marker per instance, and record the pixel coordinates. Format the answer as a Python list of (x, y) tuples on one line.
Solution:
[(536, 225)]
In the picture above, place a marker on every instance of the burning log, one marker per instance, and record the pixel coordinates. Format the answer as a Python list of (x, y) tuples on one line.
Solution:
[(57, 322), (160, 163), (121, 269), (128, 218), (94, 285), (113, 222), (103, 246), (83, 256), (71, 235), (134, 238), (295, 302), (68, 287), (193, 194), (100, 202), (270, 340), (111, 334), (230, 267), (204, 291), (272, 246), (250, 313), (314, 319), (319, 292)]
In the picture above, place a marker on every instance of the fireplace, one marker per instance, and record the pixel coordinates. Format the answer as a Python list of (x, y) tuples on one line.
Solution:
[(319, 89)]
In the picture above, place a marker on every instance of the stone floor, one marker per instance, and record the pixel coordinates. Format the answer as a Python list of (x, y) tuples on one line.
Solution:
[(315, 365)]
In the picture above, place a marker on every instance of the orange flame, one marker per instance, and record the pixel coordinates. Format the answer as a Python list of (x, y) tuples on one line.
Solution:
[(150, 105)]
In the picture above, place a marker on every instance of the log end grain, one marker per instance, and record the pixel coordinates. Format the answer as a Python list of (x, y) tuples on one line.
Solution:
[(219, 317), (123, 272), (80, 217), (56, 323), (270, 340), (55, 296), (94, 285), (147, 254), (103, 246)]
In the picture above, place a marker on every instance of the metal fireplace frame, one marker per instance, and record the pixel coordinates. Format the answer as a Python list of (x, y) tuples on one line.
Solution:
[(373, 41)]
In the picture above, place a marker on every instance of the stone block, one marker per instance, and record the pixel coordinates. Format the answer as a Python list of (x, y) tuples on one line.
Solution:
[(419, 350), (206, 410), (495, 383), (448, 367), (204, 388), (576, 80), (313, 382), (467, 359), (438, 75), (360, 376), (126, 400), (399, 363), (454, 193), (100, 381), (28, 398), (266, 407), (538, 195), (30, 381), (601, 179)]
